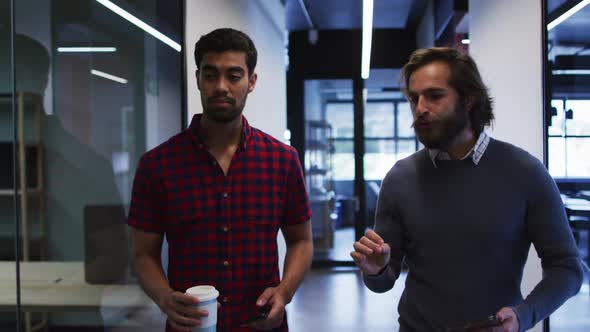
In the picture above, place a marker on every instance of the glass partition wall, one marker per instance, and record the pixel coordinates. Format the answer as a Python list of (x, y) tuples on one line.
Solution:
[(9, 314), (568, 136), (96, 84)]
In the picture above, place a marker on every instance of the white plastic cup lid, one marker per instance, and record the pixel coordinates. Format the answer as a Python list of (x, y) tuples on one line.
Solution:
[(203, 293)]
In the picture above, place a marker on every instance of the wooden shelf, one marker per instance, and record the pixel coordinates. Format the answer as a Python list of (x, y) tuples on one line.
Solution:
[(35, 233), (30, 183), (10, 192)]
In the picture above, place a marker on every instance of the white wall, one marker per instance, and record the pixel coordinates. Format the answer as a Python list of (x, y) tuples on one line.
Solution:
[(506, 44), (264, 22)]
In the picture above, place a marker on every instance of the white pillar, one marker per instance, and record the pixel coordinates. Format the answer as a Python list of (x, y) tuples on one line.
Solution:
[(506, 44), (264, 22)]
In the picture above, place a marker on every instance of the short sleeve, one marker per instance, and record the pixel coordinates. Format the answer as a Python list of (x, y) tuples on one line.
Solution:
[(145, 211), (297, 209)]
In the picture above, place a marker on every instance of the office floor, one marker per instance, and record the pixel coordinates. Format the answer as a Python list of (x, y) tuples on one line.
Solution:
[(337, 300), (574, 315)]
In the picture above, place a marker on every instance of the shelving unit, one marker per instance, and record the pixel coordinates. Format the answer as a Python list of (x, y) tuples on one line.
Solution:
[(319, 181), (30, 184)]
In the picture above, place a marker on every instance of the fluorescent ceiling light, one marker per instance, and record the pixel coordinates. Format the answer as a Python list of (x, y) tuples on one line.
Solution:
[(567, 14), (367, 37), (571, 72), (141, 24), (86, 49), (465, 41), (108, 76)]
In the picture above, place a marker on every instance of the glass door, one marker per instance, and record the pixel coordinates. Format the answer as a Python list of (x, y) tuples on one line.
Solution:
[(353, 136), (330, 166)]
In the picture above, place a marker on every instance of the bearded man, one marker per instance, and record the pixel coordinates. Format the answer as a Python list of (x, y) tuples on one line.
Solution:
[(463, 212)]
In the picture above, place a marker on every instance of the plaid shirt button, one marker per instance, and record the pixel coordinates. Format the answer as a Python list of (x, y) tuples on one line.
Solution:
[(224, 195), (225, 228), (225, 263)]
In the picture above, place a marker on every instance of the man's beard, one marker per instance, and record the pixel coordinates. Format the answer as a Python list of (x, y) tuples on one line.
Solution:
[(223, 115), (443, 132)]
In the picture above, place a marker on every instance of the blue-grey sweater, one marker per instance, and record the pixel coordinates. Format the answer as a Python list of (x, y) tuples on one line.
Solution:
[(465, 231)]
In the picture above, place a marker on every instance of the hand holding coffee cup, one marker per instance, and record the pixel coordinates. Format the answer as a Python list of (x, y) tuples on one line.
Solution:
[(182, 310), (206, 303)]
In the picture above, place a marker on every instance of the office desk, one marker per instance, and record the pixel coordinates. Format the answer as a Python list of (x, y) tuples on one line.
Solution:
[(578, 213), (60, 286), (576, 206)]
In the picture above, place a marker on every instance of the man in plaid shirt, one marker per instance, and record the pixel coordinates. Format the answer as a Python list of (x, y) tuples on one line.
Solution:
[(220, 191)]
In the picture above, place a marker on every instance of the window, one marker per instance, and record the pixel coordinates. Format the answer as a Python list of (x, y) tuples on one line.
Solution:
[(389, 136), (569, 138)]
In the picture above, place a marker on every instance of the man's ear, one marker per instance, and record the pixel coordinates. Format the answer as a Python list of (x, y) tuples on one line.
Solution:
[(252, 82), (197, 77)]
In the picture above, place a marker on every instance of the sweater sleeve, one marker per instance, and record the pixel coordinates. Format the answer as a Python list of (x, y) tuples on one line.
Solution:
[(389, 226), (549, 231)]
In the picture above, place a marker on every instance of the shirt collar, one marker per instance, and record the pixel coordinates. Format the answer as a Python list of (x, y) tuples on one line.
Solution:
[(475, 153), (199, 135)]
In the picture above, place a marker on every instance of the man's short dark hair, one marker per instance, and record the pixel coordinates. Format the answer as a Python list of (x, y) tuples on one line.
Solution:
[(227, 39), (464, 78)]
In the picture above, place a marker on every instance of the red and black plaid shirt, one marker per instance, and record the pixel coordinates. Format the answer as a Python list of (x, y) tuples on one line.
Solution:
[(221, 230)]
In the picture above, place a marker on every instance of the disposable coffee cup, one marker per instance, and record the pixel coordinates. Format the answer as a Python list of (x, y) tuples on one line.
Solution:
[(207, 296)]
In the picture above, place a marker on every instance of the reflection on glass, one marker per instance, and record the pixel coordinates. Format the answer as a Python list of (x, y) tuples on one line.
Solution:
[(8, 219), (94, 92), (569, 133)]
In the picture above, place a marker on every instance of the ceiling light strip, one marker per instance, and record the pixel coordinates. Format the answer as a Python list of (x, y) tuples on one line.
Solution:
[(367, 38), (108, 76), (306, 14), (567, 14), (86, 49), (141, 24)]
